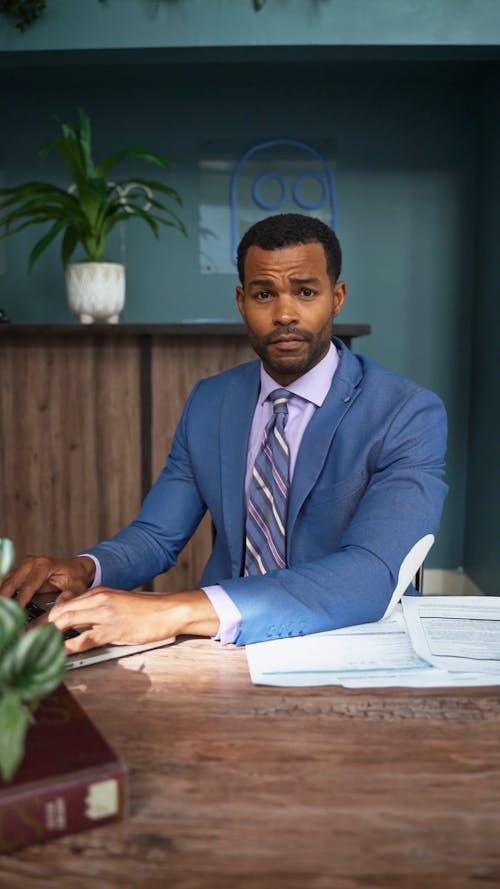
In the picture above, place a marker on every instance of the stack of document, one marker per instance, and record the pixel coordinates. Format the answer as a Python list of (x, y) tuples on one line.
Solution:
[(425, 642)]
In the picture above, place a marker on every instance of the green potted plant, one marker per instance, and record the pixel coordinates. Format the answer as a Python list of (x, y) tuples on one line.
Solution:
[(31, 666), (85, 213)]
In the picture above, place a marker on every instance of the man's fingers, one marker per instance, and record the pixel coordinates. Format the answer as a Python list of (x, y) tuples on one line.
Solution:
[(90, 638), (41, 574), (14, 579), (65, 596), (38, 621), (32, 576), (69, 604), (68, 619), (88, 611), (36, 582)]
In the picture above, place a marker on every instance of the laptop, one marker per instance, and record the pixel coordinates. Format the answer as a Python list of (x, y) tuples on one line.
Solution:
[(94, 655)]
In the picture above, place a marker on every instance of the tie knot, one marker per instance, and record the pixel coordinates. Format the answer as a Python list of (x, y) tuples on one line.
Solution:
[(279, 398)]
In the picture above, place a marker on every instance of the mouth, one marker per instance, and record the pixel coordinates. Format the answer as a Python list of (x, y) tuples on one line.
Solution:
[(287, 342), (288, 338)]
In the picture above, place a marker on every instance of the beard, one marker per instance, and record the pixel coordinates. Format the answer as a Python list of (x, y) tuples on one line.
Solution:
[(292, 365)]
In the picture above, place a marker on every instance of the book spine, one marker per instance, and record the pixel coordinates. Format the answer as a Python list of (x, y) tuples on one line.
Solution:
[(69, 805)]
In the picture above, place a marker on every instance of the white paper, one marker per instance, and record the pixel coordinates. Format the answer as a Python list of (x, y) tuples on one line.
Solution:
[(381, 654), (368, 652), (408, 569), (457, 633)]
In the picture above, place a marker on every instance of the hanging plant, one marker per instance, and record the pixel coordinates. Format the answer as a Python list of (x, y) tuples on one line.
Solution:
[(257, 4), (25, 12)]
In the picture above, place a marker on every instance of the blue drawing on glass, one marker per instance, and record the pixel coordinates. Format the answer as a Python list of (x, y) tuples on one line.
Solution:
[(260, 200), (314, 204), (280, 175)]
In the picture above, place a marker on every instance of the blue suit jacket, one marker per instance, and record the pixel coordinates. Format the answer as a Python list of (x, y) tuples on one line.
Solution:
[(368, 484)]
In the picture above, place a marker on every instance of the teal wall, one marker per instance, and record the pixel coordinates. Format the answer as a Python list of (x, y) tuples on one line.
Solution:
[(89, 24), (399, 89), (482, 529)]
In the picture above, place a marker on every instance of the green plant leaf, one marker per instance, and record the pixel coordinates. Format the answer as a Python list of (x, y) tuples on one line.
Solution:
[(34, 666), (68, 246), (7, 555), (154, 185), (177, 222), (13, 726), (85, 144), (33, 191), (44, 242), (135, 151), (93, 196), (12, 620), (42, 199)]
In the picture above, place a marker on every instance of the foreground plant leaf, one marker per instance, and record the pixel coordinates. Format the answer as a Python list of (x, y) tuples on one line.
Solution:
[(13, 726), (12, 619), (34, 666)]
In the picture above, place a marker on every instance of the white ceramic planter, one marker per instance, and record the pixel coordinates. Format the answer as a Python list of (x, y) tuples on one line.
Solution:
[(96, 290)]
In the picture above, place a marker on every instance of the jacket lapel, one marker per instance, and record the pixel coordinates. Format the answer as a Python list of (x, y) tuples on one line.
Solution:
[(320, 431), (237, 411)]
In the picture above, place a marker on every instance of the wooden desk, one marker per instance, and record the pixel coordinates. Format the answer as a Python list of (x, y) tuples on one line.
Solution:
[(238, 787)]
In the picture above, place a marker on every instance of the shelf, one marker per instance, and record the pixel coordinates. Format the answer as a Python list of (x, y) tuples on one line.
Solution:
[(344, 331)]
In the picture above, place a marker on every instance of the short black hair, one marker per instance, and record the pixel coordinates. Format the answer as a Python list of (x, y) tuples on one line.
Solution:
[(288, 230)]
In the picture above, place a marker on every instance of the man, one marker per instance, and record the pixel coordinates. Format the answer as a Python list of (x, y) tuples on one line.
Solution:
[(321, 527)]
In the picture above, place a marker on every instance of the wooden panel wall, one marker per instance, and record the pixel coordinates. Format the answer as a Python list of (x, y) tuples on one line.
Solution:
[(69, 440), (177, 364)]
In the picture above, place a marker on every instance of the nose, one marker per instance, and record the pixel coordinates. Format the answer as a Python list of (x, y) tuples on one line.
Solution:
[(285, 310)]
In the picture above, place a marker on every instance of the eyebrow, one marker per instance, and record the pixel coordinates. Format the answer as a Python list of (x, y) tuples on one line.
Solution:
[(260, 282), (305, 281), (266, 282)]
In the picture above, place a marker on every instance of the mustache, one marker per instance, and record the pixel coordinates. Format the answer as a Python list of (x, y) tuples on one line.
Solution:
[(286, 331)]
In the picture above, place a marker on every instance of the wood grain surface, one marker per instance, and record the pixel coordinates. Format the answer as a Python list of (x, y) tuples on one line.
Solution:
[(69, 441), (233, 786)]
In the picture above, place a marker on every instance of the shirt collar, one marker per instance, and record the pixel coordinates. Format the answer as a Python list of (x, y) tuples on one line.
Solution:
[(312, 386)]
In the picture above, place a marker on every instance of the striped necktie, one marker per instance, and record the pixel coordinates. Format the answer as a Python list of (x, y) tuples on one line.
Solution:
[(268, 495)]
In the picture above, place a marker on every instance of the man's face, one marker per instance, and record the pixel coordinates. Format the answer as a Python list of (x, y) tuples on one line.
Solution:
[(288, 303)]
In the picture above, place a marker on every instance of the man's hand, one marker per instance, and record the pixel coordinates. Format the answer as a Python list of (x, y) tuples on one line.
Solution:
[(116, 617), (40, 574)]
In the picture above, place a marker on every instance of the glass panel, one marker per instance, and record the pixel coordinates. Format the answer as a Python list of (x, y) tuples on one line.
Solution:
[(275, 176)]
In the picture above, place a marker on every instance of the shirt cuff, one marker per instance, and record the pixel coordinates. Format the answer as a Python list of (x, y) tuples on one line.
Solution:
[(229, 615), (98, 571)]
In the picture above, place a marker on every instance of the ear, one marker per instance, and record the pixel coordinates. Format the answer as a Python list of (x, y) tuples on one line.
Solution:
[(240, 299), (339, 295)]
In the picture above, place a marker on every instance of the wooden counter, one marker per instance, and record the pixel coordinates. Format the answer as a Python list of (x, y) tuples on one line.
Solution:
[(233, 786)]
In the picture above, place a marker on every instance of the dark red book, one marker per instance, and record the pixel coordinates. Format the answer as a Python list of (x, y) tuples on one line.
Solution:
[(70, 778)]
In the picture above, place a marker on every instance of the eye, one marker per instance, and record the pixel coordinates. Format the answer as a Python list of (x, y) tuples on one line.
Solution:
[(307, 293), (262, 296)]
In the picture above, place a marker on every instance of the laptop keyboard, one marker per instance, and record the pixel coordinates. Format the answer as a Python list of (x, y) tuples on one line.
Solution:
[(33, 611)]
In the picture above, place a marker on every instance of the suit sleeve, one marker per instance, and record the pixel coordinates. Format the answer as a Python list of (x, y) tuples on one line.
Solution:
[(169, 516), (401, 503)]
